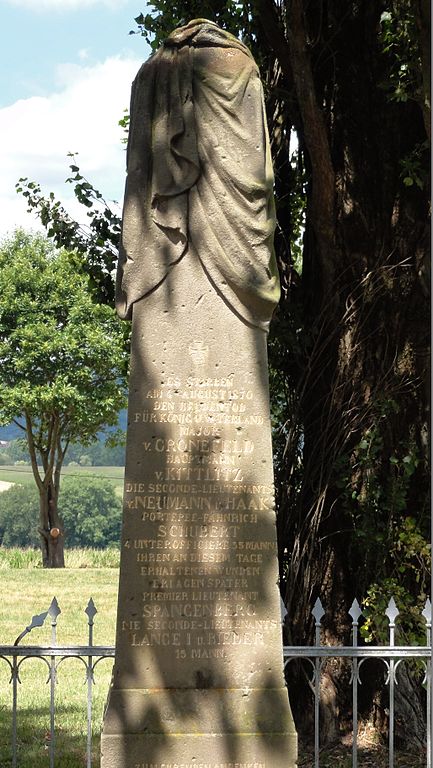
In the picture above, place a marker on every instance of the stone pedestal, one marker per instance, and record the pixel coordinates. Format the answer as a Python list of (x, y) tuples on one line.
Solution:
[(198, 676)]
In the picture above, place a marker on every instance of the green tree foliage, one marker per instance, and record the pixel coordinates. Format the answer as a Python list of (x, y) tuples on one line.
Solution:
[(164, 16), (61, 357), (97, 243), (91, 512), (19, 507), (99, 454), (17, 450)]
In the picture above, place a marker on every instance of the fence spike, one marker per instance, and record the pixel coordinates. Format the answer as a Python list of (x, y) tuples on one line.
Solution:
[(392, 611), (37, 621), (318, 611), (427, 611), (54, 609), (91, 610), (355, 611)]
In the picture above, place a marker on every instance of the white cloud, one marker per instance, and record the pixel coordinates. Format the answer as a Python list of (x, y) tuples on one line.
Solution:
[(37, 133), (64, 5)]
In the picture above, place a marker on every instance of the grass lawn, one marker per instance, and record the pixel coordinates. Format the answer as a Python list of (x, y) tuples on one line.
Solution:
[(28, 592), (23, 475)]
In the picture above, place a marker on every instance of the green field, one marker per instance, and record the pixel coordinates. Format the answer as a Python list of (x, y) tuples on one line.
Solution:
[(28, 592), (23, 474)]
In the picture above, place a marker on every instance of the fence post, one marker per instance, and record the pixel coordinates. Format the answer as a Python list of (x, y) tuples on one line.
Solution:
[(318, 613), (392, 613), (355, 613), (427, 615), (91, 612), (15, 681), (53, 611)]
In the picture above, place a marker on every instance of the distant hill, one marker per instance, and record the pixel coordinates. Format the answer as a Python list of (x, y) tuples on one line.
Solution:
[(11, 431)]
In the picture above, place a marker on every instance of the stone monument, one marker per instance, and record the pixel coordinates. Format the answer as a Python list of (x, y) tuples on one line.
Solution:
[(198, 675)]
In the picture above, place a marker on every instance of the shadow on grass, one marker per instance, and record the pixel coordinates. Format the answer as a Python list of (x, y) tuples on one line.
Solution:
[(34, 737)]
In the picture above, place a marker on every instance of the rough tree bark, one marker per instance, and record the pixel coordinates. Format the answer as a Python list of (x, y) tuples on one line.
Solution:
[(51, 454), (364, 297)]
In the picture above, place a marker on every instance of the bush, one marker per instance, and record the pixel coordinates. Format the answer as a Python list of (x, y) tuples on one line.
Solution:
[(91, 512), (19, 516)]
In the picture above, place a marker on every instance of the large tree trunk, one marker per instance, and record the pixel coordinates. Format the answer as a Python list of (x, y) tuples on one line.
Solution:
[(51, 454), (365, 307), (50, 529)]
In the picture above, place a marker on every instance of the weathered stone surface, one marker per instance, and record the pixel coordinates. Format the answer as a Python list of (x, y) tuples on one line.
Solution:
[(198, 677)]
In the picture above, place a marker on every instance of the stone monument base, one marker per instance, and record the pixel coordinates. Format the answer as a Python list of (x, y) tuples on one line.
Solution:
[(187, 728)]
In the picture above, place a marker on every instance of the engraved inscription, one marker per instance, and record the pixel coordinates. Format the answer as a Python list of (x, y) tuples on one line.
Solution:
[(248, 764), (199, 559)]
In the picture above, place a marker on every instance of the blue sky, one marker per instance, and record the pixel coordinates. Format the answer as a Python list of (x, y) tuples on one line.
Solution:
[(66, 68)]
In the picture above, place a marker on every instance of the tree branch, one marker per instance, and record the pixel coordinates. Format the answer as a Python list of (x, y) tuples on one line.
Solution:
[(61, 452), (52, 448), (271, 26), (32, 452), (17, 424), (293, 57), (316, 139), (422, 13)]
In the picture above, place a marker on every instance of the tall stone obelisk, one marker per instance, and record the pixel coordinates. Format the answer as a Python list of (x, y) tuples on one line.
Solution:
[(198, 677)]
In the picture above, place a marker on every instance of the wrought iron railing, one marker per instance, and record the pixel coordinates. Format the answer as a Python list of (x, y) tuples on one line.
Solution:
[(90, 655), (391, 655), (53, 655)]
